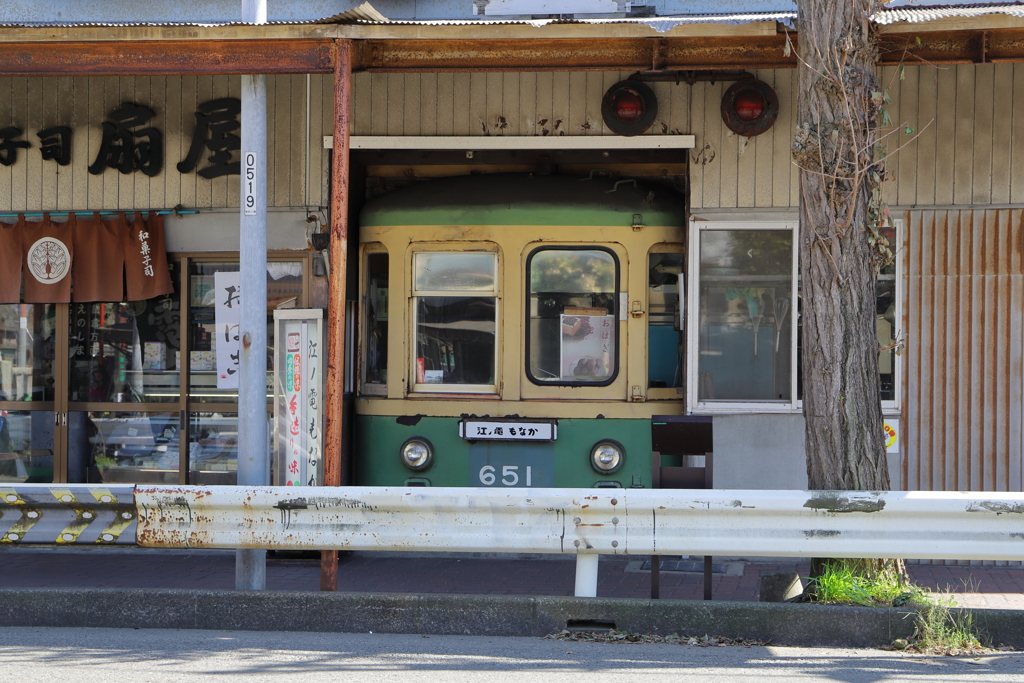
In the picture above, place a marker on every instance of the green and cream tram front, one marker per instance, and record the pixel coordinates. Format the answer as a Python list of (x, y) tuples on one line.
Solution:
[(517, 330)]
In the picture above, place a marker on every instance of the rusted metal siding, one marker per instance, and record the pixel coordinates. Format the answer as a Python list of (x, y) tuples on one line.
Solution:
[(83, 103), (965, 297)]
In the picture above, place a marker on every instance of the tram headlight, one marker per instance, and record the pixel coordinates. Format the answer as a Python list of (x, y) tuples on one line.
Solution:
[(606, 456), (417, 454)]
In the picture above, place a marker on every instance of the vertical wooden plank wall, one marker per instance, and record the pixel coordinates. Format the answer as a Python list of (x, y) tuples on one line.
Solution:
[(34, 104), (726, 171), (966, 146)]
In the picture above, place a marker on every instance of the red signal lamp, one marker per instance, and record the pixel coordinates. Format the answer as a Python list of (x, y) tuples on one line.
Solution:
[(750, 107), (629, 107)]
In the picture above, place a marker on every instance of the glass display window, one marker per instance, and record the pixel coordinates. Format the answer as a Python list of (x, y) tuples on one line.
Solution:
[(27, 351), (123, 447), (26, 446), (127, 352), (211, 347)]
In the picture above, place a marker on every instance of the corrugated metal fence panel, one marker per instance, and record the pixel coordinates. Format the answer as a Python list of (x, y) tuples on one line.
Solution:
[(726, 170), (965, 338), (33, 104)]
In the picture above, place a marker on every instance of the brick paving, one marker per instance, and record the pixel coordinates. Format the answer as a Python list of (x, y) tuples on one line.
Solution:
[(971, 586)]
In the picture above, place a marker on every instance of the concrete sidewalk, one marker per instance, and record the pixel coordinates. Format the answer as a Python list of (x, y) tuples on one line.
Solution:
[(735, 579)]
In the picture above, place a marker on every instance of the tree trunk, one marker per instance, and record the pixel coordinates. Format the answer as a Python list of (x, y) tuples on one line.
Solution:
[(840, 247)]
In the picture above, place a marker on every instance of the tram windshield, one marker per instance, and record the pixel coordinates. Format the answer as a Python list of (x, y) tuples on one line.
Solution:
[(572, 316)]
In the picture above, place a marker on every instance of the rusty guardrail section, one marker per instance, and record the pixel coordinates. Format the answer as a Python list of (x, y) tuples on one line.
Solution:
[(914, 524), (63, 514), (584, 522)]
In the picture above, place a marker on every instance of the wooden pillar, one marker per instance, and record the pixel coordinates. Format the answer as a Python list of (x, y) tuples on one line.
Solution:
[(338, 253)]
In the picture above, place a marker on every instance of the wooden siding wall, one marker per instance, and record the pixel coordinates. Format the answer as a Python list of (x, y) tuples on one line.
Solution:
[(967, 145), (727, 170), (964, 332), (33, 104)]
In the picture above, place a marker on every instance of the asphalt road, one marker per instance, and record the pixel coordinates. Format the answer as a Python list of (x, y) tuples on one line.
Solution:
[(28, 655)]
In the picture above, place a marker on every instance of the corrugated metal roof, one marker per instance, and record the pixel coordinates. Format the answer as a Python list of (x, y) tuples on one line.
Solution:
[(659, 24), (367, 15), (918, 14), (362, 13)]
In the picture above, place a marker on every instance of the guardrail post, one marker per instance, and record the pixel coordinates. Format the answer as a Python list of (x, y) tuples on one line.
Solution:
[(586, 575)]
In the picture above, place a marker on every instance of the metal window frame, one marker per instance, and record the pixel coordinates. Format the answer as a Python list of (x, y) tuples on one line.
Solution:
[(693, 405)]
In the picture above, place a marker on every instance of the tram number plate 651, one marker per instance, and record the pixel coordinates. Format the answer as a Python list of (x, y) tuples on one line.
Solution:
[(509, 475), (514, 470)]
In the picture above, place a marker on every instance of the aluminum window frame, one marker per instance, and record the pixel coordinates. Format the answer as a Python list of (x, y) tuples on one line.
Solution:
[(890, 408), (693, 404)]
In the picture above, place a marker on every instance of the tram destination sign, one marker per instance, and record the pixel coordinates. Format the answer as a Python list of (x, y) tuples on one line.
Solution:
[(508, 430)]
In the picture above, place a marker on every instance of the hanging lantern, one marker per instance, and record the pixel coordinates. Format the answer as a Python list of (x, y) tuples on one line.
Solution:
[(750, 107), (629, 107)]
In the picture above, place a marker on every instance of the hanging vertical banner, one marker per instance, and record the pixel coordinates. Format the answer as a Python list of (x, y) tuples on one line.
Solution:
[(298, 379), (227, 318)]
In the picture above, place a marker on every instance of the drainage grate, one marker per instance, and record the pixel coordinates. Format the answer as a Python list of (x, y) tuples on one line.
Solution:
[(684, 566), (588, 625)]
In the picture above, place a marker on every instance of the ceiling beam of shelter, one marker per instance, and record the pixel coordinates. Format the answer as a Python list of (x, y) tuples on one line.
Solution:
[(166, 57), (313, 55), (952, 47), (616, 54)]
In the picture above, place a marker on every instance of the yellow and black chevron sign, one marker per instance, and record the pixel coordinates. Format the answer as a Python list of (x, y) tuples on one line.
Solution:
[(66, 514)]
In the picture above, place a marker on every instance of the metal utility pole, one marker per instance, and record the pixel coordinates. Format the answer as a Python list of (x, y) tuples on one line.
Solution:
[(253, 456)]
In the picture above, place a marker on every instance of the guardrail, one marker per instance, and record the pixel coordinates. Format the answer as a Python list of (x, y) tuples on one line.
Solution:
[(58, 514), (584, 522)]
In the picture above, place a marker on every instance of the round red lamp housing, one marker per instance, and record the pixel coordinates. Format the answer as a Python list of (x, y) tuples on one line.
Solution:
[(750, 107), (629, 107)]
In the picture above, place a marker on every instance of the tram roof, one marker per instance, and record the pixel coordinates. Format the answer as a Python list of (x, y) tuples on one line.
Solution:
[(520, 199)]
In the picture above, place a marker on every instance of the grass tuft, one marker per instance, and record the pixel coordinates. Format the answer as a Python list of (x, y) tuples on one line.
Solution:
[(940, 627), (842, 583)]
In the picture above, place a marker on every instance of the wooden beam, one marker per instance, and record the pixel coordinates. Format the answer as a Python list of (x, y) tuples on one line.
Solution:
[(952, 47), (335, 391), (565, 54), (313, 55), (165, 57)]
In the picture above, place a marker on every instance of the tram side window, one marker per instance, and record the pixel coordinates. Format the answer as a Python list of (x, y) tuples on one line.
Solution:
[(376, 311), (572, 319), (455, 321), (665, 347)]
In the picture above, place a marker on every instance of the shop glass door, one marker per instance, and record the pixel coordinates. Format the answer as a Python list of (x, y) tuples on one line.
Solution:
[(29, 371)]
